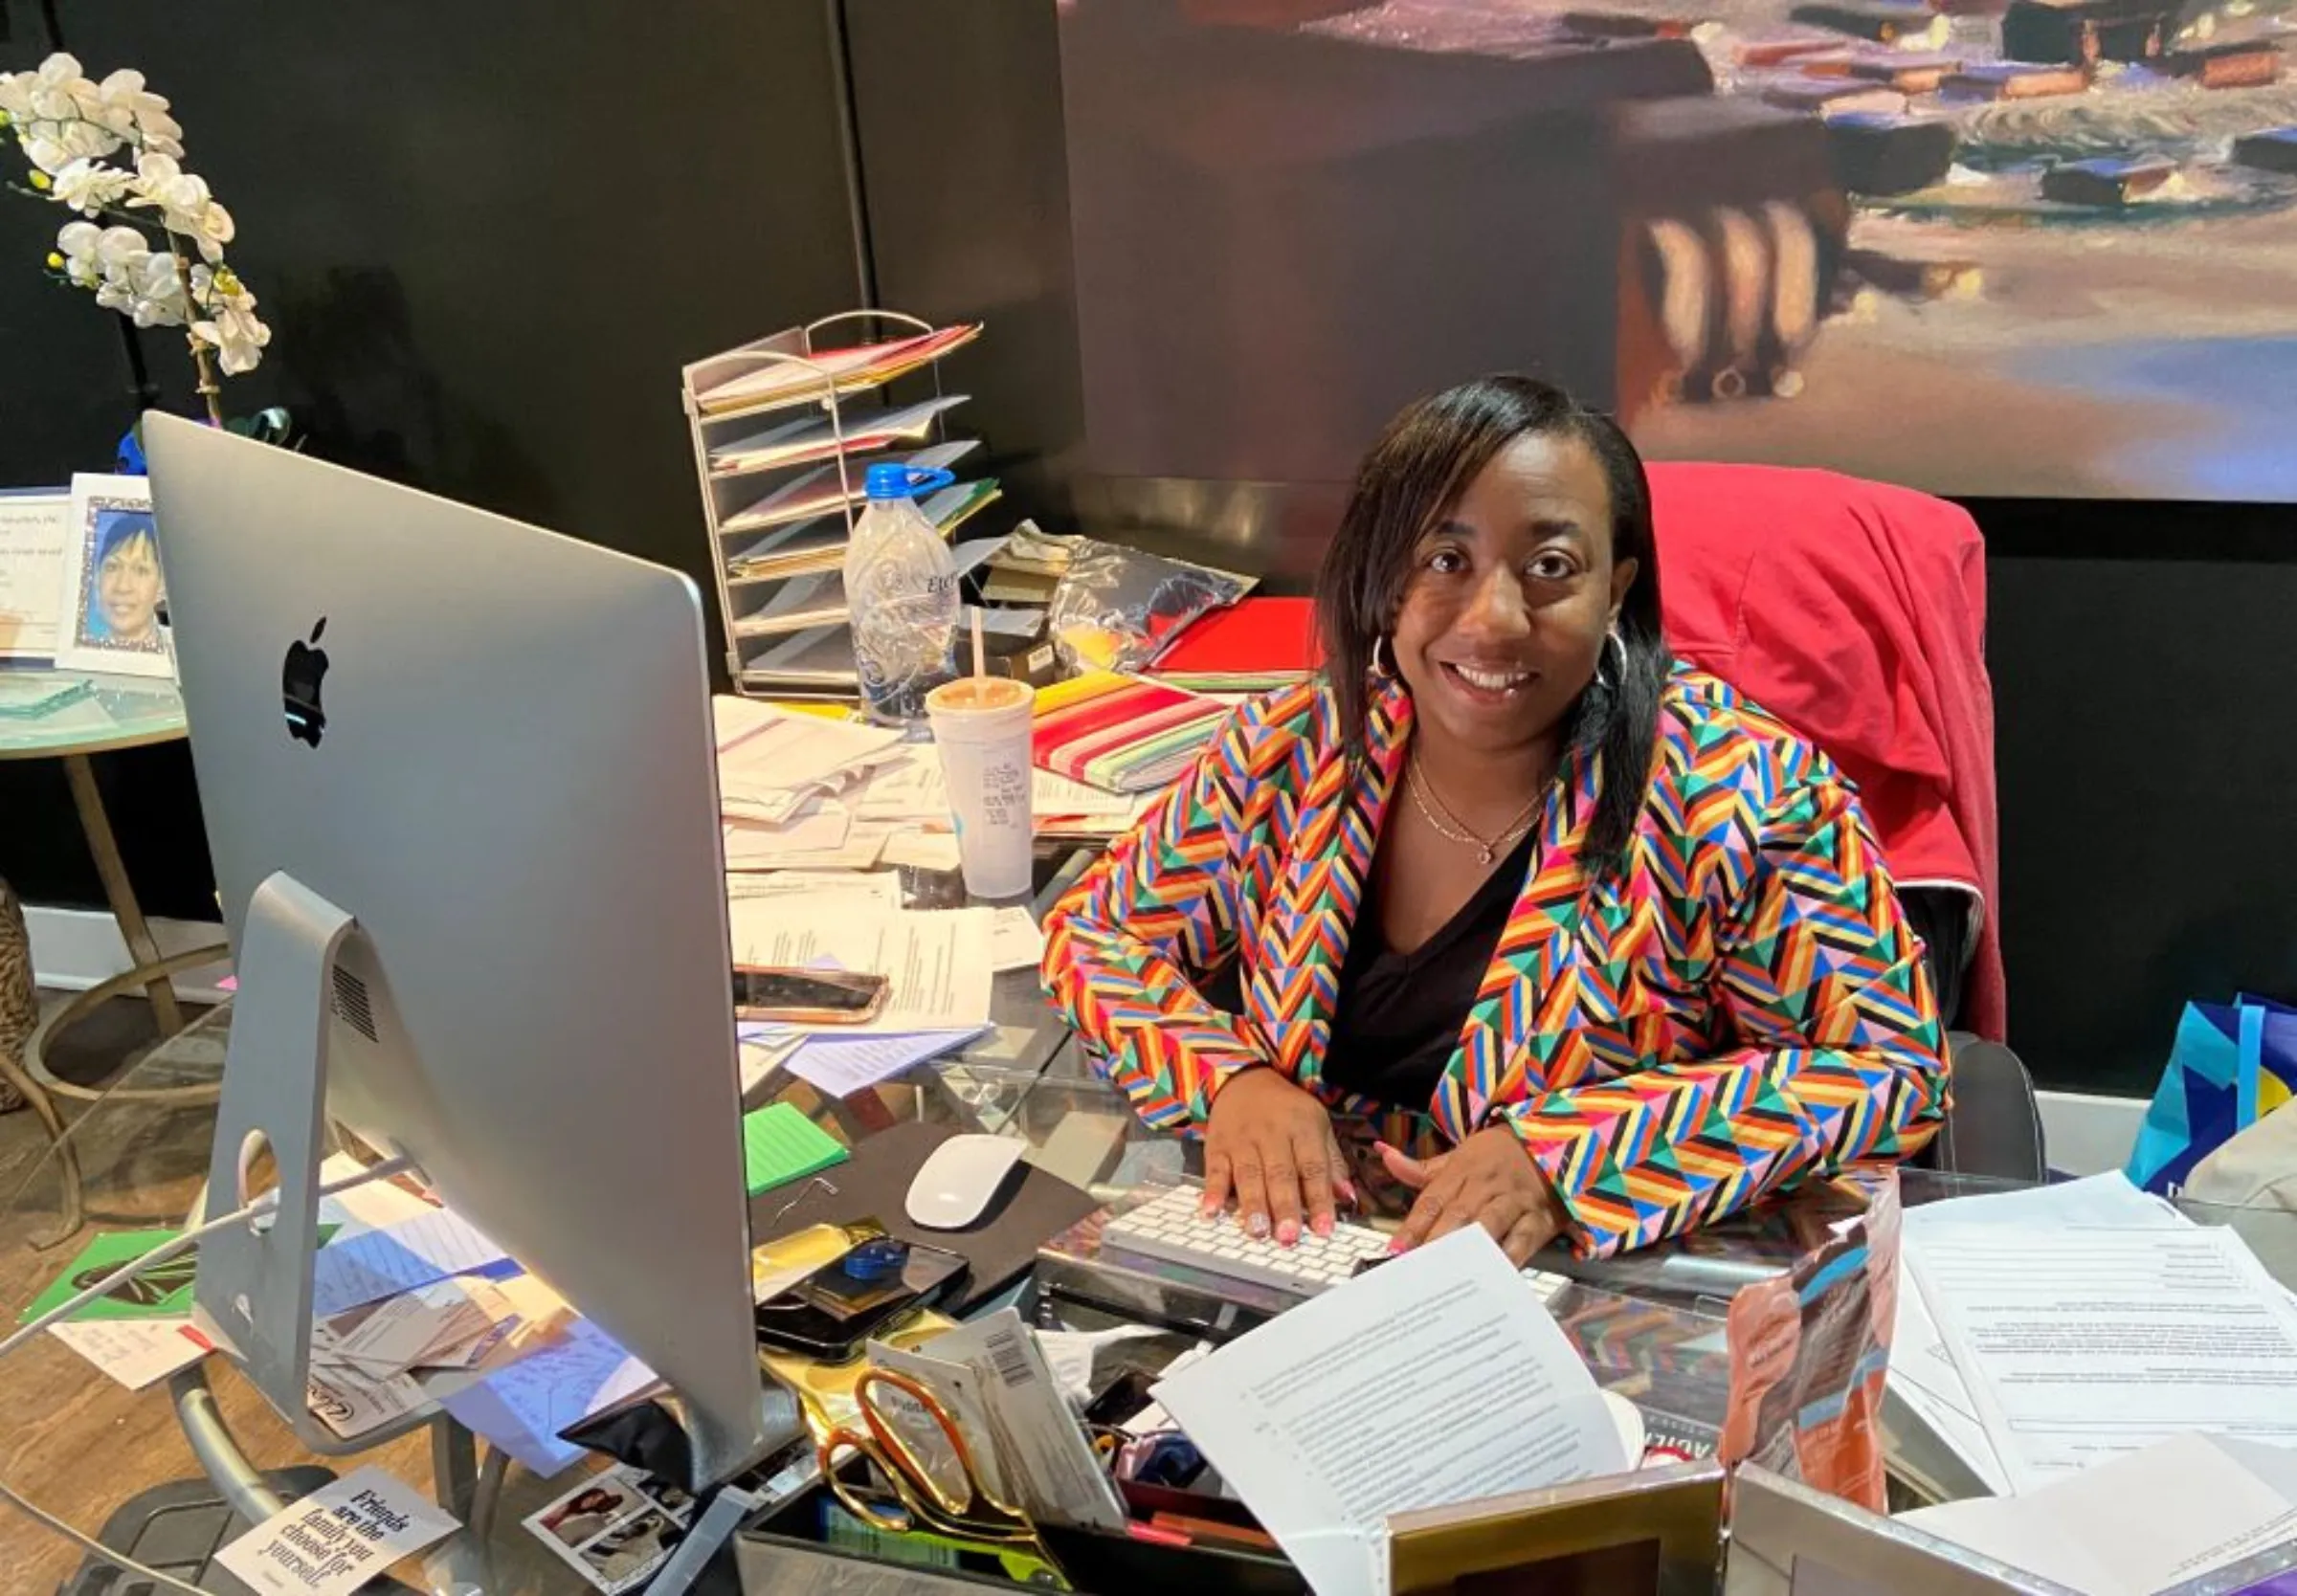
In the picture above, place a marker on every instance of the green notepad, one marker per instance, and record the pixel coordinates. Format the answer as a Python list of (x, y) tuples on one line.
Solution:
[(780, 1145)]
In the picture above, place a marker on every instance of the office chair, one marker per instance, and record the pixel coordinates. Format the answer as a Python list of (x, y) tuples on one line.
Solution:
[(1855, 611)]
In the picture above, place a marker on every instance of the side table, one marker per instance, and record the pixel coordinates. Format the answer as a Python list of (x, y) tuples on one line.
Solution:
[(121, 712)]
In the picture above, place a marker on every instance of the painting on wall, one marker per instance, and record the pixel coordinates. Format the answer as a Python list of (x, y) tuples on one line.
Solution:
[(1982, 247)]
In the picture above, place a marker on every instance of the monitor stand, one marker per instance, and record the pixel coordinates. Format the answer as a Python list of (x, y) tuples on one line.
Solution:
[(254, 1289)]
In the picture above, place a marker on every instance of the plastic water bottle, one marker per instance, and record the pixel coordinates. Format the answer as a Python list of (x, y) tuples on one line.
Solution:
[(900, 591)]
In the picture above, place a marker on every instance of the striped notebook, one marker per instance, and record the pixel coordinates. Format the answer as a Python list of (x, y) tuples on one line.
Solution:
[(1119, 732)]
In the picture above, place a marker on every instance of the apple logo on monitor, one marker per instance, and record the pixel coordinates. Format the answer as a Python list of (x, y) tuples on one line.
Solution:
[(299, 684)]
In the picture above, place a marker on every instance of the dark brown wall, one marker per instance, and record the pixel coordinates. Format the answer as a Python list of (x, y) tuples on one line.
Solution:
[(2146, 689), (486, 235)]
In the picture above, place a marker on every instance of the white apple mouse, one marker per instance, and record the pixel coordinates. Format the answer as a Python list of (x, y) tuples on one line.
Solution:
[(960, 1179)]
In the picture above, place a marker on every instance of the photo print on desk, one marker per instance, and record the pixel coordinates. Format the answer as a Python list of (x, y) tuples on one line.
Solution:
[(617, 1528), (115, 614)]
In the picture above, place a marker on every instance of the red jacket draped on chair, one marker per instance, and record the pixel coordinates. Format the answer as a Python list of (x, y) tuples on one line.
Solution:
[(1856, 612)]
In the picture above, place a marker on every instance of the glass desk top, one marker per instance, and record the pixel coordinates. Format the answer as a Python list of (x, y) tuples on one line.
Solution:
[(121, 712), (1650, 1325)]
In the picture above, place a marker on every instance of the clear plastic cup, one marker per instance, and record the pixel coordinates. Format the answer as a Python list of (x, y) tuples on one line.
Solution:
[(981, 725)]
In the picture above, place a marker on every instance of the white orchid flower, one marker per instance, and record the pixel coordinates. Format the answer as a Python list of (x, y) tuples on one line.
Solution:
[(125, 105), (54, 145), (216, 229), (118, 248), (57, 87), (125, 89), (237, 334), (16, 96), (89, 186), (77, 244), (159, 292)]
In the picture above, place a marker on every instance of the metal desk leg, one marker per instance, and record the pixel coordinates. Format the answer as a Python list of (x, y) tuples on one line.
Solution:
[(141, 948)]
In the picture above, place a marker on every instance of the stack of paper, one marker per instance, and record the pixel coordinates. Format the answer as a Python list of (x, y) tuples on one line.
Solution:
[(771, 763), (939, 963), (1360, 1404), (827, 488), (1253, 645), (2141, 1523), (812, 438), (1121, 733), (2044, 1332), (786, 382)]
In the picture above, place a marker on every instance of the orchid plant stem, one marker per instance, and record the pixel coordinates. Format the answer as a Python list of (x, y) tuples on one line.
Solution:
[(208, 391)]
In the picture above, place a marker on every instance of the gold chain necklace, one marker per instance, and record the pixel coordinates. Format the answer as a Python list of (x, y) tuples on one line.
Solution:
[(1422, 795)]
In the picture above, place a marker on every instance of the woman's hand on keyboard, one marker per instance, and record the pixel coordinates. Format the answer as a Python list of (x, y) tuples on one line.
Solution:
[(1269, 1143), (1487, 1180)]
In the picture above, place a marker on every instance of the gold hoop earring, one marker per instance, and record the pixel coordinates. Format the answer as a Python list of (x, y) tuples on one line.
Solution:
[(1613, 639), (1382, 667)]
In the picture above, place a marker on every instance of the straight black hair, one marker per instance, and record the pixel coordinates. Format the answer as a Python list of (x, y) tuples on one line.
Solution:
[(1408, 482)]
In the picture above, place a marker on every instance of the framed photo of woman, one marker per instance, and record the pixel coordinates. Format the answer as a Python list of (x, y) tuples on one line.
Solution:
[(115, 602)]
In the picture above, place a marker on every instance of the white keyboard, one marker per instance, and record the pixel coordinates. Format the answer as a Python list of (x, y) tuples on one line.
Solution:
[(1170, 1227)]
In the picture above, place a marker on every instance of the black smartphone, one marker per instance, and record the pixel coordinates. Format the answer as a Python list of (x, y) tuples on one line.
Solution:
[(833, 1311), (808, 997)]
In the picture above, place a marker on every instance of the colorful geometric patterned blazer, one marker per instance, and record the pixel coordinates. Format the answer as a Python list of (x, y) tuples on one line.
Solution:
[(1739, 1008)]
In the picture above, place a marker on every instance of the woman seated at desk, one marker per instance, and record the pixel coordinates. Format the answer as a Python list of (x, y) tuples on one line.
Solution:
[(1604, 950)]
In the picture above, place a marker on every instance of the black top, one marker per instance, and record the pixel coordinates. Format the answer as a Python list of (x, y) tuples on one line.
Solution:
[(1401, 1014)]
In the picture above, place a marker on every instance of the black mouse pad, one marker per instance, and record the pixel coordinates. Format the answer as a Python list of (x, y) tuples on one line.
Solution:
[(1030, 1208)]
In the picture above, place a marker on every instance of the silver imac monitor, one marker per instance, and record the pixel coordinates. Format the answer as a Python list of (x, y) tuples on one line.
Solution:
[(459, 788)]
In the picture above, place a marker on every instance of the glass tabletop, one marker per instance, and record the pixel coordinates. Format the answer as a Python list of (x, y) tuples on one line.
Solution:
[(1649, 1325), (108, 712)]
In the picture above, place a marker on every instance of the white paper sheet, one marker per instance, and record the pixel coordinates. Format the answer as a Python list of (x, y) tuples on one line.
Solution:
[(921, 850), (2080, 1345), (1016, 940), (362, 1208), (135, 1352), (914, 787), (521, 1408), (826, 891), (1921, 1372), (842, 1065), (2136, 1524), (398, 1257), (939, 962), (336, 1538), (33, 530), (763, 749), (819, 826), (1368, 1401)]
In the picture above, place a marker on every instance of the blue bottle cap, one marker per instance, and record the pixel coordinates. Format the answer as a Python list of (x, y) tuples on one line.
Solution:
[(887, 481)]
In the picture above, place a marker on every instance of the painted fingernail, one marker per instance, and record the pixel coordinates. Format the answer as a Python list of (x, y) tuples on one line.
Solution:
[(1323, 1225), (1396, 1245), (1258, 1225), (1206, 1214), (1347, 1192), (1288, 1235)]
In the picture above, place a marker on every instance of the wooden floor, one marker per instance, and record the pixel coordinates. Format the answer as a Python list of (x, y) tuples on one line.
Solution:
[(69, 1439)]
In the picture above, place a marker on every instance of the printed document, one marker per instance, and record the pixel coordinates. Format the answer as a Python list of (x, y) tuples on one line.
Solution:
[(33, 530), (2080, 1345), (939, 963), (1368, 1401), (2137, 1524), (1922, 1371)]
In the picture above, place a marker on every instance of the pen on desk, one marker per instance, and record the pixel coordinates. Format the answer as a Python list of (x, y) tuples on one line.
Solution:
[(1155, 1535)]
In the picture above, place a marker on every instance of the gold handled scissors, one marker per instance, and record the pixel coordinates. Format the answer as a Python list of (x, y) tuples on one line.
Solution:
[(950, 1500)]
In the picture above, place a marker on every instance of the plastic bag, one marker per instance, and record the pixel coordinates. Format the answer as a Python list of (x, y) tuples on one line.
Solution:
[(1808, 1354), (2230, 1064), (1115, 608)]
